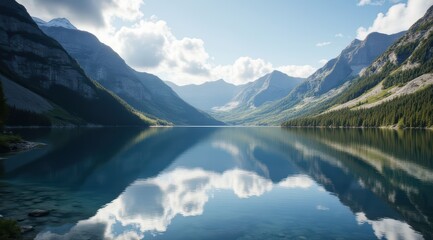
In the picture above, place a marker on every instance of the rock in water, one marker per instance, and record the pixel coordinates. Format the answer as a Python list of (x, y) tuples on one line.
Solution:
[(26, 228), (38, 213)]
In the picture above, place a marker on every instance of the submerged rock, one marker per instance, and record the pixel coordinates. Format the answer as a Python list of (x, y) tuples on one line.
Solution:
[(38, 213), (26, 228)]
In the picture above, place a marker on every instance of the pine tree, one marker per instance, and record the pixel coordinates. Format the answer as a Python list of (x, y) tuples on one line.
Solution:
[(3, 107)]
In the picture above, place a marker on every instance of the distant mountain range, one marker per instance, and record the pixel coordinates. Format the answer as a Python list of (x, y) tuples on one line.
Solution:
[(269, 88), (208, 95), (220, 96), (145, 92), (321, 87)]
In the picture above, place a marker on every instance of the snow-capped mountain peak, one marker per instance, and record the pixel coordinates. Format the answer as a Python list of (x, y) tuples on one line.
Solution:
[(56, 22)]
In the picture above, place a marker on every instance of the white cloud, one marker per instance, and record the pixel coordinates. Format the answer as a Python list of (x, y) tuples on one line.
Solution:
[(339, 35), (86, 13), (322, 208), (301, 71), (149, 44), (297, 181), (388, 228), (371, 2), (149, 206), (398, 18), (322, 44), (246, 69), (228, 147), (323, 61), (144, 44), (243, 70)]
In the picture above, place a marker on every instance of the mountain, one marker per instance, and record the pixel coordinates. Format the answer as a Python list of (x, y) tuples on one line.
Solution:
[(321, 87), (208, 95), (395, 90), (352, 60), (255, 96), (145, 92), (269, 88), (57, 22), (35, 67), (330, 80)]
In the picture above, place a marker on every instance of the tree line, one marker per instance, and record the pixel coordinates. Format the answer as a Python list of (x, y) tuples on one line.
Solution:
[(410, 111)]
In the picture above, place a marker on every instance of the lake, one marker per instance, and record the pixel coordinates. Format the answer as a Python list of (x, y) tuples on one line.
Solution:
[(222, 183)]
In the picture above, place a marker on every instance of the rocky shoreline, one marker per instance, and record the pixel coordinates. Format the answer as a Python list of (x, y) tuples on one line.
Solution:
[(35, 209), (24, 146), (19, 146)]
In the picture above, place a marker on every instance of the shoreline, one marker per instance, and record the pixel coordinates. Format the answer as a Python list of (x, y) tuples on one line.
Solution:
[(361, 127), (21, 146), (11, 144), (78, 126), (218, 126)]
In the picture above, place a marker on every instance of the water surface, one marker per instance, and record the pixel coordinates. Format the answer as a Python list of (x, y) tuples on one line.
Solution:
[(223, 183)]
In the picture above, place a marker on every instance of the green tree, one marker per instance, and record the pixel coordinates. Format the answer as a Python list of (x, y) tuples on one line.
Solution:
[(3, 108), (414, 110)]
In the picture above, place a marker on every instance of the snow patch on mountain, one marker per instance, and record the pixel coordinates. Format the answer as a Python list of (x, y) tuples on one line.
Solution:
[(56, 22)]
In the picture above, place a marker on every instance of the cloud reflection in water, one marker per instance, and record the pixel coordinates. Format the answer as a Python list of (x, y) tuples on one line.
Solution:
[(148, 206), (390, 229)]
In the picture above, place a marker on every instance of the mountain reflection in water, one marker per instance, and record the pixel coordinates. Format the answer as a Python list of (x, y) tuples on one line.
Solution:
[(235, 183)]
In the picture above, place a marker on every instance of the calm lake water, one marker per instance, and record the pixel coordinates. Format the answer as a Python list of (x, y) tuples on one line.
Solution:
[(222, 183)]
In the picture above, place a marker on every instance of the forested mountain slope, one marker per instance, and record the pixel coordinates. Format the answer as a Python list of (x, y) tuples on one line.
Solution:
[(314, 93), (396, 90)]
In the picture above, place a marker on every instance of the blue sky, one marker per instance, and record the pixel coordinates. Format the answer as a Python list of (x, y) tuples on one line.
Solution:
[(281, 31), (193, 41)]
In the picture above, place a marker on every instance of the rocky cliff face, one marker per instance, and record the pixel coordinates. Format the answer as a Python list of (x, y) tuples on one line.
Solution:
[(408, 58), (395, 90), (35, 58), (403, 52), (40, 64), (99, 62), (145, 92), (348, 65)]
